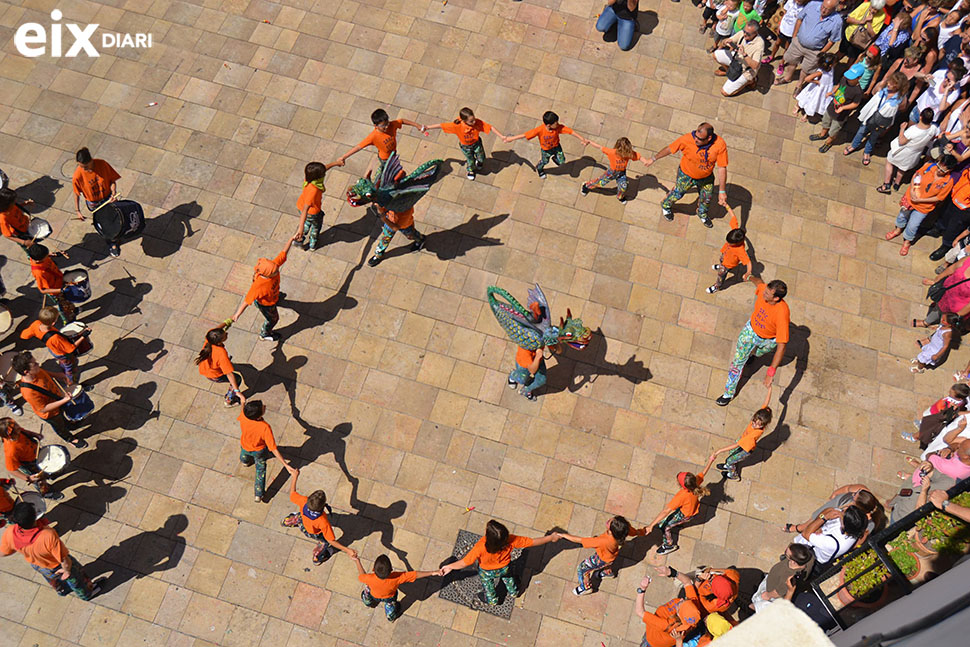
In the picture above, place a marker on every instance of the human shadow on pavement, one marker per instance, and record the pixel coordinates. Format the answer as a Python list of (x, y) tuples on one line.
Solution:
[(43, 191), (140, 555), (164, 234), (575, 369), (449, 244), (138, 355), (123, 299)]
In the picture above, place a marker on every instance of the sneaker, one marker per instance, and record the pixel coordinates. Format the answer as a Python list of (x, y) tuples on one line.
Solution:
[(291, 520), (374, 260), (541, 174), (717, 267), (707, 223), (95, 589), (584, 190), (732, 475), (622, 198), (305, 245), (230, 403), (418, 245), (667, 214), (320, 555), (724, 467), (16, 409), (114, 250), (941, 268), (530, 397), (666, 550), (470, 175), (513, 384), (581, 591), (723, 401), (272, 336), (712, 289), (51, 495), (907, 436), (79, 443)]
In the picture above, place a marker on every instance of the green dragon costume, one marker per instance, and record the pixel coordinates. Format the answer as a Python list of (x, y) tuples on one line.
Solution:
[(530, 327), (392, 189)]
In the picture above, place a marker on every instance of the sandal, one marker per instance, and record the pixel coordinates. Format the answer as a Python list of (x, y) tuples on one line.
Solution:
[(766, 60), (904, 250), (908, 437), (849, 150), (912, 460), (824, 148), (893, 233), (884, 189), (866, 159), (903, 476), (916, 369)]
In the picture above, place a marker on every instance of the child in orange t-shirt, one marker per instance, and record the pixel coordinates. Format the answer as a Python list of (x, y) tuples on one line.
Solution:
[(396, 222), (62, 348), (13, 219), (257, 443), (681, 509), (383, 138), (548, 134), (468, 129), (607, 545), (381, 585), (214, 364), (265, 292), (620, 157), (50, 279), (312, 520), (493, 552), (95, 179), (310, 202), (733, 254), (745, 445)]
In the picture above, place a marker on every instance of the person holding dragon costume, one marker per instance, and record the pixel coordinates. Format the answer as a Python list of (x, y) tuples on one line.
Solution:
[(531, 329)]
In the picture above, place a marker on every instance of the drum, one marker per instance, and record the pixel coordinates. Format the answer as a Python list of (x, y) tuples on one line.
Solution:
[(39, 229), (36, 500), (7, 374), (79, 409), (53, 459), (118, 219), (74, 332), (5, 319), (77, 288)]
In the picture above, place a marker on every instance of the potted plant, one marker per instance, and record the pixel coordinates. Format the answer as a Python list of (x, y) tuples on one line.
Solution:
[(866, 580), (902, 551), (939, 531)]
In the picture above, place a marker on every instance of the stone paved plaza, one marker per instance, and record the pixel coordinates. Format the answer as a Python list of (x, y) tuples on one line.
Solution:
[(389, 390)]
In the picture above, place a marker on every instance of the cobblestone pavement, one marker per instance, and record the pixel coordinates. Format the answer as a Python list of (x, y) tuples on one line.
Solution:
[(390, 387)]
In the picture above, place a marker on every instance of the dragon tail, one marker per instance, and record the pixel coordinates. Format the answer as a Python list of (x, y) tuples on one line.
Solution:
[(514, 318)]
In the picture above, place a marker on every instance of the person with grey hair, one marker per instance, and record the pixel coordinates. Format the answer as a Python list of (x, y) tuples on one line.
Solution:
[(817, 30), (747, 46)]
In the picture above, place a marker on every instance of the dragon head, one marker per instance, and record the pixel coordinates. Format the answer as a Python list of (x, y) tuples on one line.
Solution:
[(573, 332), (361, 193)]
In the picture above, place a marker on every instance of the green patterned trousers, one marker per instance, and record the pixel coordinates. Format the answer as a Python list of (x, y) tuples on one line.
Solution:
[(705, 189)]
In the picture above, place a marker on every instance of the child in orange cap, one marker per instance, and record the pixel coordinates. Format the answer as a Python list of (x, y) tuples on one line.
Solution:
[(265, 291)]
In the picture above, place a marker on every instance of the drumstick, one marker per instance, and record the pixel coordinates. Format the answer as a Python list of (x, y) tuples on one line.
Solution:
[(69, 396), (112, 198)]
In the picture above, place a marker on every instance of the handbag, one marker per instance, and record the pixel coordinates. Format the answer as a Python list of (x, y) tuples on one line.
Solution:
[(936, 291), (860, 37), (736, 68)]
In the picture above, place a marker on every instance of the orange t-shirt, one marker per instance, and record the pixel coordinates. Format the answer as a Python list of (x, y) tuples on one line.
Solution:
[(734, 255), (548, 137), (47, 274), (217, 365), (960, 193), (312, 197), (676, 615), (38, 400), (467, 135), (685, 501), (770, 320), (697, 162), (266, 289), (750, 437), (47, 550), (524, 358), (493, 561), (20, 451), (706, 595), (386, 588), (13, 222), (401, 220), (606, 545), (57, 343), (385, 143), (931, 185), (95, 185), (616, 163), (320, 525), (256, 434)]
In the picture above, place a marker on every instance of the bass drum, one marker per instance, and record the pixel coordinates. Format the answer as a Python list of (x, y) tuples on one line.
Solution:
[(119, 219), (7, 374)]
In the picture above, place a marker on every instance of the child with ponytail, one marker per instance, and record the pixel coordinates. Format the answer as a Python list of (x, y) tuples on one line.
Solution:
[(214, 363), (681, 509), (607, 545)]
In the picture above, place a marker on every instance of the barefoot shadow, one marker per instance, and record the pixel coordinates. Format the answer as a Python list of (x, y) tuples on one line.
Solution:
[(589, 364), (165, 233), (449, 244), (141, 555), (43, 191)]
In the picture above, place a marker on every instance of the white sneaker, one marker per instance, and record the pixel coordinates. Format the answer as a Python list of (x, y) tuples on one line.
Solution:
[(712, 289)]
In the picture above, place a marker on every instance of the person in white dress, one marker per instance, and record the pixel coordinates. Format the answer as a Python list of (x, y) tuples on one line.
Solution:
[(906, 150), (815, 96)]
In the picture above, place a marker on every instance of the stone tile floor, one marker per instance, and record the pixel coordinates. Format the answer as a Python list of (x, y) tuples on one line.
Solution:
[(389, 390)]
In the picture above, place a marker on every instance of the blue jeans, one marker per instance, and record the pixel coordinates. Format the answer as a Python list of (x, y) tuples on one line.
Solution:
[(874, 134), (909, 221), (624, 27)]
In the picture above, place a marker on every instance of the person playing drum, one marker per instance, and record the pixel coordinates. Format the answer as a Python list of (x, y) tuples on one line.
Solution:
[(50, 279), (62, 348), (13, 220), (95, 179), (20, 455), (214, 363), (41, 392)]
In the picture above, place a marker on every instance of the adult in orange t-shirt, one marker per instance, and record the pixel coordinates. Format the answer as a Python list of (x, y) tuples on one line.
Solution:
[(20, 457), (548, 133), (257, 444), (312, 520), (468, 129), (94, 179), (766, 331), (13, 220), (381, 585), (396, 222), (43, 549), (703, 156), (620, 157), (265, 292), (45, 396), (733, 253), (678, 616), (930, 186), (214, 364), (745, 445), (493, 552), (383, 138), (62, 348), (607, 545), (681, 509), (717, 589), (50, 279)]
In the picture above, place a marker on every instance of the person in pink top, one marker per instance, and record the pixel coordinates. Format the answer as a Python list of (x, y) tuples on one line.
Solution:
[(956, 298)]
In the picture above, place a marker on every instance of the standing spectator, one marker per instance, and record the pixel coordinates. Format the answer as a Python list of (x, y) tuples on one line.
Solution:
[(257, 444), (45, 396), (786, 29), (941, 500), (955, 219), (877, 115), (906, 150), (621, 14), (846, 97), (894, 39), (842, 499), (727, 13), (797, 562), (95, 179), (815, 98), (956, 298), (817, 30), (942, 90), (46, 553), (832, 534), (704, 156), (750, 48), (766, 331), (265, 292), (863, 25), (931, 185)]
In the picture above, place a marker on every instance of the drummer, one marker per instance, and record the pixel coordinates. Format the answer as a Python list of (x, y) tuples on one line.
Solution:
[(265, 291), (41, 392), (50, 279), (95, 179), (62, 348), (214, 363), (13, 220), (20, 454)]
